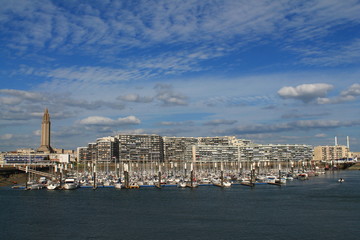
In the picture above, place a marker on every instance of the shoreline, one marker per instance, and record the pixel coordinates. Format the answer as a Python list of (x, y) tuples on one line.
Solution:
[(11, 179)]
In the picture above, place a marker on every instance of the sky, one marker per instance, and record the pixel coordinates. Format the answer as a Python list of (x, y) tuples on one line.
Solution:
[(274, 72)]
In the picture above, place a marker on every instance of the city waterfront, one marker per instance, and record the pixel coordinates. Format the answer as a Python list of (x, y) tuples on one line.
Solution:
[(319, 208)]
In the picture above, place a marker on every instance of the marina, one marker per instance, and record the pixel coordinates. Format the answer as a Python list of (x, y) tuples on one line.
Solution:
[(318, 208), (140, 175)]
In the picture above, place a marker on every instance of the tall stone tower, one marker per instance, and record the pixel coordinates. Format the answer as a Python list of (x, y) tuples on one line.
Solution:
[(45, 134)]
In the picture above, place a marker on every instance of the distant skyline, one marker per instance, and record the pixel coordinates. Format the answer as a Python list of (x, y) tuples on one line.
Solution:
[(274, 72)]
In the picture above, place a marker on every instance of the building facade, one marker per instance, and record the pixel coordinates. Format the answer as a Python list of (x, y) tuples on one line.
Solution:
[(331, 153), (154, 148), (107, 149), (141, 147)]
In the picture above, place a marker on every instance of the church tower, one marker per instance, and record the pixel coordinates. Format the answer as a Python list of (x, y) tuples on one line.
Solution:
[(45, 134)]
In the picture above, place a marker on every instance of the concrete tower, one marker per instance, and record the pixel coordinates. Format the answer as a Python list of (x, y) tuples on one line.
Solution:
[(45, 134)]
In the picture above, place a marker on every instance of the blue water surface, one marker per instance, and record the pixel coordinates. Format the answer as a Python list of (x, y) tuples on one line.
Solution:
[(319, 208)]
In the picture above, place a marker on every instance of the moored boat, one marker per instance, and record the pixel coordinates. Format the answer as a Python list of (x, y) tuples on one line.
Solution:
[(70, 184), (52, 186), (181, 184), (303, 176)]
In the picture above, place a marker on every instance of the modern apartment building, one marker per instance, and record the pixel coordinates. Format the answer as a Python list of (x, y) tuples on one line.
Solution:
[(107, 149), (141, 147), (213, 149), (330, 153), (145, 148), (175, 148), (213, 153), (82, 154)]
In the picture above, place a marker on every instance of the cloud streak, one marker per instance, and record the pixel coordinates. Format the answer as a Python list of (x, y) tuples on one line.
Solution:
[(302, 125), (104, 121)]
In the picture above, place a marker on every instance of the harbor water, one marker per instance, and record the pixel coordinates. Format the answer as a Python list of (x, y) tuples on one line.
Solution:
[(319, 208)]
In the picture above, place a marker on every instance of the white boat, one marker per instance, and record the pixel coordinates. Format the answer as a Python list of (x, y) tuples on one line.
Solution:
[(270, 179), (52, 186), (205, 181), (35, 186), (70, 183), (290, 178), (181, 184), (341, 180), (282, 180), (42, 180), (118, 185), (226, 184)]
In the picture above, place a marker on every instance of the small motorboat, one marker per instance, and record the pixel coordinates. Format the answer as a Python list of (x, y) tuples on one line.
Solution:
[(226, 184), (53, 186), (181, 184), (118, 184), (341, 180), (70, 183)]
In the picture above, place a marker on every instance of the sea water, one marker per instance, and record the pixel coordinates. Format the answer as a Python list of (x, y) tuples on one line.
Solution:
[(319, 208)]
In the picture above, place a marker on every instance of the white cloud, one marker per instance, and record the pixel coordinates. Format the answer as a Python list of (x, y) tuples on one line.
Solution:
[(305, 92), (6, 136), (168, 97), (25, 95), (345, 96), (339, 99), (9, 100), (354, 90), (104, 121), (135, 98)]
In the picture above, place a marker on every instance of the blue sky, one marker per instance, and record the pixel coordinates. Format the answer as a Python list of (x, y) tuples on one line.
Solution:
[(269, 71)]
